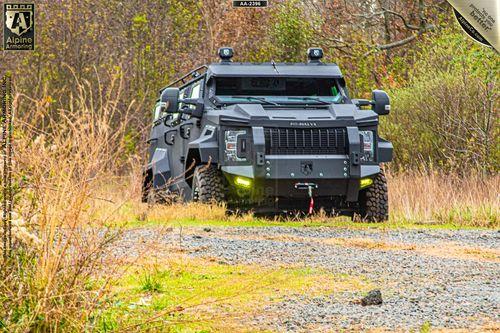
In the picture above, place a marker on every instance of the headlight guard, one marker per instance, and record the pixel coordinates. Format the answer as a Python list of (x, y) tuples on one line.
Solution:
[(235, 145), (367, 140)]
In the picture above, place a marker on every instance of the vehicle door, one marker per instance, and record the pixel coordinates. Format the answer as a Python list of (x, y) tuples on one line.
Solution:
[(156, 130), (183, 131), (174, 139), (189, 127), (159, 154)]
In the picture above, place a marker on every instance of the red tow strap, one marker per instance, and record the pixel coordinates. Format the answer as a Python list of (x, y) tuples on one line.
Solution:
[(309, 187), (311, 206)]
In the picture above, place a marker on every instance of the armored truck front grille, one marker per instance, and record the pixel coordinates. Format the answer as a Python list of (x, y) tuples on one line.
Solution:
[(305, 141)]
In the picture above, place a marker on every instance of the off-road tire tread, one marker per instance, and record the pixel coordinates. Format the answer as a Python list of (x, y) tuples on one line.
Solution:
[(374, 201), (211, 188), (160, 196)]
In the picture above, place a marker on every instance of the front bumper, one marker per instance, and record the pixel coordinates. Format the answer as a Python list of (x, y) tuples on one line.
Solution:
[(277, 175), (331, 174)]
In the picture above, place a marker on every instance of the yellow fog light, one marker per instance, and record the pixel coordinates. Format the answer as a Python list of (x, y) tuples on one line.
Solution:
[(365, 182), (243, 182)]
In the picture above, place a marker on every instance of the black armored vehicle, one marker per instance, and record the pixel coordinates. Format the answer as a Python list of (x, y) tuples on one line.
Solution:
[(271, 138)]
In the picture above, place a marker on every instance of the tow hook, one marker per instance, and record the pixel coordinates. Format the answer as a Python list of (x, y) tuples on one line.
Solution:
[(309, 187)]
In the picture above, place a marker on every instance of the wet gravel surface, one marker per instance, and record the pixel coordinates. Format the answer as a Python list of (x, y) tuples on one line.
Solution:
[(417, 287)]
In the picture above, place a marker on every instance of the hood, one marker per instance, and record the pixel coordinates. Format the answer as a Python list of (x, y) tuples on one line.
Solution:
[(336, 115)]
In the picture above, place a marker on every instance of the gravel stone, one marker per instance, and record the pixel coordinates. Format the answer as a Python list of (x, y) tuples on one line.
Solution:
[(374, 297), (418, 288)]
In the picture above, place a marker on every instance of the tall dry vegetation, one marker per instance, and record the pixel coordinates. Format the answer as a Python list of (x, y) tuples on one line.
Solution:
[(62, 160), (434, 198)]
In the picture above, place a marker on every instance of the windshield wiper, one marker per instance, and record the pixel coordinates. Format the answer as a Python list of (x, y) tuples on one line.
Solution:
[(307, 98), (253, 98)]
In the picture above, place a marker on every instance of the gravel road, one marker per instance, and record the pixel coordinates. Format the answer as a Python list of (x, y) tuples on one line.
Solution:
[(446, 278)]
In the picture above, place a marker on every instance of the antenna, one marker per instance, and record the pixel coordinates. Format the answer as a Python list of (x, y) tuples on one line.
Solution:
[(274, 66)]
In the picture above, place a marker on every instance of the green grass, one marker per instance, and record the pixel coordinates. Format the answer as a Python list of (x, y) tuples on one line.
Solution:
[(340, 222), (133, 214), (150, 281), (194, 295), (257, 222), (426, 327)]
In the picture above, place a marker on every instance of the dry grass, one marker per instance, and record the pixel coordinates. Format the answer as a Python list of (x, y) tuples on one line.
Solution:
[(443, 250), (415, 198), (451, 250), (369, 244), (62, 157), (434, 198)]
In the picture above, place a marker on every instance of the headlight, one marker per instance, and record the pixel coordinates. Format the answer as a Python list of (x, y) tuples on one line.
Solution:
[(367, 146), (234, 140)]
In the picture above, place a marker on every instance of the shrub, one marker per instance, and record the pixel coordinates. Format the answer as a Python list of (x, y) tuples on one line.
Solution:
[(446, 115), (49, 282)]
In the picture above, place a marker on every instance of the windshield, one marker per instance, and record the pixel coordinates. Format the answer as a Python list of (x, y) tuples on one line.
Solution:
[(277, 90)]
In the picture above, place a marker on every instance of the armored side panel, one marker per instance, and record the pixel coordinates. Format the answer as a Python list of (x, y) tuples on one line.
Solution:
[(160, 167)]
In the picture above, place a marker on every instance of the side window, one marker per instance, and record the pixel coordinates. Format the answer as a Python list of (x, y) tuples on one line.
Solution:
[(191, 91), (182, 94), (157, 113), (196, 91)]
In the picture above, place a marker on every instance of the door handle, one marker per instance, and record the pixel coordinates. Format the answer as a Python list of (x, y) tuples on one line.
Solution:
[(166, 119), (185, 131), (170, 137)]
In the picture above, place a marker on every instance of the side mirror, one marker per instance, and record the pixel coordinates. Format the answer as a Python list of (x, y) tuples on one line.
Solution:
[(381, 104), (170, 98), (197, 112)]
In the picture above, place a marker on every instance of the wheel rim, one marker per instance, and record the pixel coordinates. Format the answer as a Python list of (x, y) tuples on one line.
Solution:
[(151, 198), (196, 191)]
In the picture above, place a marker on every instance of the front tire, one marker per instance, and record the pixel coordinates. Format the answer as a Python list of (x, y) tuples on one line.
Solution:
[(374, 201), (208, 185), (159, 196)]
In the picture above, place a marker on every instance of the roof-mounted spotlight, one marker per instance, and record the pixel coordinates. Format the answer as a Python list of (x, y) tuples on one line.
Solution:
[(225, 54), (314, 54)]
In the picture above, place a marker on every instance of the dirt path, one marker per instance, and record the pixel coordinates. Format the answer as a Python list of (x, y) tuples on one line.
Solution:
[(443, 278)]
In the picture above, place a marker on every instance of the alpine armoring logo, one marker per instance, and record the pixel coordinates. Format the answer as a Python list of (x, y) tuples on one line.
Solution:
[(19, 26)]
